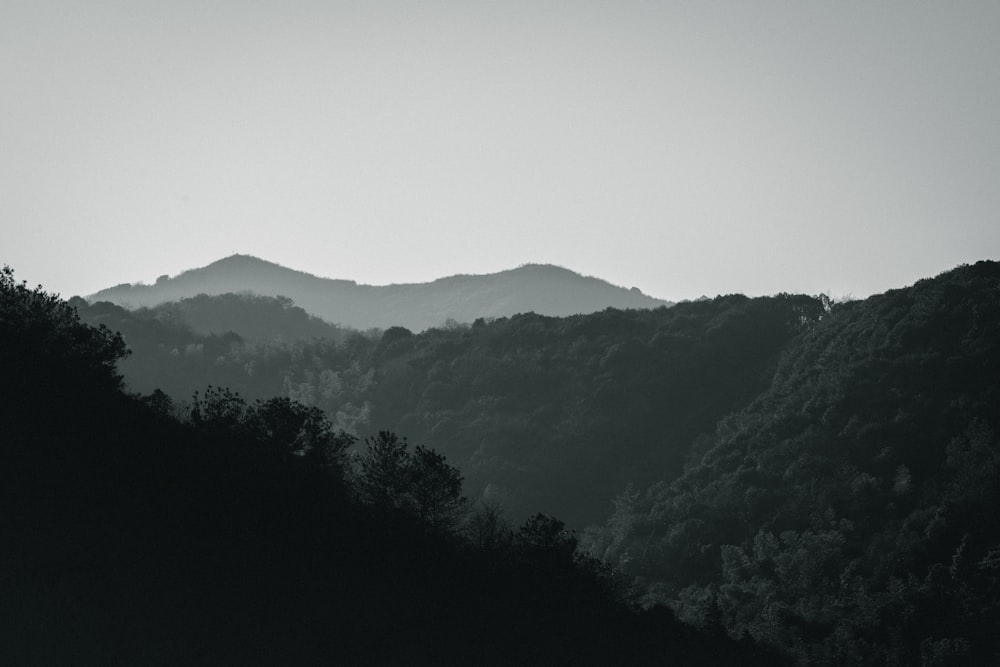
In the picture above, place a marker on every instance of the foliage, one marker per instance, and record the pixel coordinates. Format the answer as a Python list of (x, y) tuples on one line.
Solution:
[(132, 536), (278, 425), (546, 533), (818, 477), (420, 482), (558, 413), (845, 515), (41, 334), (488, 529)]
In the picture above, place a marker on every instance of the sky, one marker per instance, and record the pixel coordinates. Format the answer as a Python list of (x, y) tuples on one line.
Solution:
[(684, 148)]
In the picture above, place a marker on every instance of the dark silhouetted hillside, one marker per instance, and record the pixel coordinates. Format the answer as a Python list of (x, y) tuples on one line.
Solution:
[(848, 514), (544, 289), (231, 532), (818, 477)]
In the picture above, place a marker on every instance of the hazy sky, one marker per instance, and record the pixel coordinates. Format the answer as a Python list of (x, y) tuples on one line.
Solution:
[(686, 148)]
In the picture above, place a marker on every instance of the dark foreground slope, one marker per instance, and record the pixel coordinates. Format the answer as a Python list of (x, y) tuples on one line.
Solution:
[(463, 298), (848, 515), (236, 536)]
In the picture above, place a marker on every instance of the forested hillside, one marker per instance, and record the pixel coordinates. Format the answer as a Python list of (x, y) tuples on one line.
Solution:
[(256, 318), (229, 531), (848, 514), (820, 477), (557, 414)]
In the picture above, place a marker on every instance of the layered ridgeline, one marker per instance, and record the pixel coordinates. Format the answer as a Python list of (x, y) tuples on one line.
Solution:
[(229, 532), (821, 477), (543, 289), (540, 413)]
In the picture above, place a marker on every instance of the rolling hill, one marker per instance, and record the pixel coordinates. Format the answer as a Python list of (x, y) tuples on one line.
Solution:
[(539, 288)]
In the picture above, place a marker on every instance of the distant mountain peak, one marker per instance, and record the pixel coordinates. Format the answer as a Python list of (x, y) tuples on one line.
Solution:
[(238, 259), (238, 262), (546, 289), (533, 266)]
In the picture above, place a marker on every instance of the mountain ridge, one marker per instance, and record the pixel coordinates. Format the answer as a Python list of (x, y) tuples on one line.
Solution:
[(542, 288)]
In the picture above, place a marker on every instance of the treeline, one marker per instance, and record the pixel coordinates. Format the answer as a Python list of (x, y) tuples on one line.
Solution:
[(848, 514), (228, 530), (556, 414)]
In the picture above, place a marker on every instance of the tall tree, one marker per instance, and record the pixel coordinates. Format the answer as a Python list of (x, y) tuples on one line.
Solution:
[(436, 487), (384, 476), (420, 482)]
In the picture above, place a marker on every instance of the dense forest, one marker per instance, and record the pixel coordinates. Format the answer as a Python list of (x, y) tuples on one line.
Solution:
[(235, 531), (768, 478), (847, 514), (541, 413)]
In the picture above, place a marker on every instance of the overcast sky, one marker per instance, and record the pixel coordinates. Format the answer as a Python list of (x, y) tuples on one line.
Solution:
[(685, 148)]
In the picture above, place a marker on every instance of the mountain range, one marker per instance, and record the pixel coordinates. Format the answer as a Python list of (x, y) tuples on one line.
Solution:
[(540, 288), (812, 476)]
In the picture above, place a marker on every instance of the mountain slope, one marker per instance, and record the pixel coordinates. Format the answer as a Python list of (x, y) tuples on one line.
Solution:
[(821, 477), (847, 515), (554, 414), (230, 533), (544, 289)]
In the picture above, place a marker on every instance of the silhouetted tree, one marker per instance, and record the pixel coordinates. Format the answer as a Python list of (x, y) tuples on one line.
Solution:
[(487, 527), (219, 409), (436, 488), (384, 479), (304, 431), (546, 534), (276, 427), (42, 336), (420, 482), (160, 402)]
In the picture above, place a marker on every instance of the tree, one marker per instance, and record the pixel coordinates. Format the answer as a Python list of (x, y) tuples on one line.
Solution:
[(288, 426), (436, 487), (487, 527), (277, 427), (219, 410), (160, 403), (543, 533), (43, 337), (382, 480), (420, 482)]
